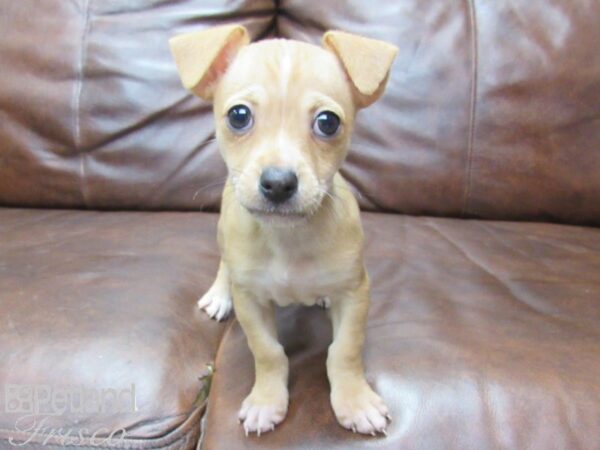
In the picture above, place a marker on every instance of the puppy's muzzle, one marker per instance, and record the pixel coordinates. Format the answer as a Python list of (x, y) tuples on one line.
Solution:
[(278, 185)]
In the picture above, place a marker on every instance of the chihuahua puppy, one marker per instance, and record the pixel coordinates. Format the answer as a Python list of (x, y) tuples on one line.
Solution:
[(290, 230)]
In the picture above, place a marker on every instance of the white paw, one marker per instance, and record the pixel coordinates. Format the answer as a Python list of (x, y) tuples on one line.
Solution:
[(324, 302), (216, 303), (261, 416), (361, 410)]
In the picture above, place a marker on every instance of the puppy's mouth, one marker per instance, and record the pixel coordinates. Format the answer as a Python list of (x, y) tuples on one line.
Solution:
[(296, 210), (277, 213)]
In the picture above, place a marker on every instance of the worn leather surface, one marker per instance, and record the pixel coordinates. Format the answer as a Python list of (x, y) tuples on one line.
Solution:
[(481, 335), (104, 301), (491, 109)]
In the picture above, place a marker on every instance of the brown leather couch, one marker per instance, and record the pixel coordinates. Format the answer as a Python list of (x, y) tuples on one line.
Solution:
[(479, 175)]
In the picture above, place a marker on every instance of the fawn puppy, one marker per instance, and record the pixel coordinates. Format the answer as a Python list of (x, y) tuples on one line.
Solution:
[(290, 230)]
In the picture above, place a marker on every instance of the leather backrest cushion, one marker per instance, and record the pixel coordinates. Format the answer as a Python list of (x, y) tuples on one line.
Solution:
[(491, 109), (93, 111)]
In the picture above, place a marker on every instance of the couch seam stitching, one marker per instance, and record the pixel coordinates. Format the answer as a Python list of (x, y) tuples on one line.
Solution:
[(216, 365), (78, 95), (472, 106)]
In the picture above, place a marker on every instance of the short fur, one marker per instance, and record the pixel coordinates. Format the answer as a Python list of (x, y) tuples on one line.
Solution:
[(309, 250)]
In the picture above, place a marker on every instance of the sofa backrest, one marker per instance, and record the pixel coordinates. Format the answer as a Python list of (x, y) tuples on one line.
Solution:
[(492, 108)]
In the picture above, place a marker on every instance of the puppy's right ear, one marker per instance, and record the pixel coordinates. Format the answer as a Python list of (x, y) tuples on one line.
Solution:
[(202, 57)]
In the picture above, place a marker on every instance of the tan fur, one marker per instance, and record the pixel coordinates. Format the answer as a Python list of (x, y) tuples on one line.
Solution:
[(215, 46), (312, 250), (358, 53)]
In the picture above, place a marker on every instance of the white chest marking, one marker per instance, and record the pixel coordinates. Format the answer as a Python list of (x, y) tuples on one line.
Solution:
[(287, 282)]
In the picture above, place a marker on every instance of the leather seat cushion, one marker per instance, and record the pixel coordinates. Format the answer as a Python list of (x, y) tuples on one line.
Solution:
[(107, 301), (480, 335)]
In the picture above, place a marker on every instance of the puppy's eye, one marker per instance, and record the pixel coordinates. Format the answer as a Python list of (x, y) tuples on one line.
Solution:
[(326, 124), (239, 118)]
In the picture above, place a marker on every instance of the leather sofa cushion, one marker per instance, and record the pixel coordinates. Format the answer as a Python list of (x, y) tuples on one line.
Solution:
[(480, 335), (104, 301)]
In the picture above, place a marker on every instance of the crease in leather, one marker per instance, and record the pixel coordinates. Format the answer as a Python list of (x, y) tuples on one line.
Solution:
[(271, 30), (109, 138), (497, 238), (513, 290), (489, 230), (584, 120), (473, 103), (504, 284), (239, 15), (304, 21), (78, 96), (231, 12)]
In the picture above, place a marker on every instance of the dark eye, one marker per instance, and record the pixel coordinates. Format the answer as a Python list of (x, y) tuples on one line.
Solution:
[(240, 118), (326, 124)]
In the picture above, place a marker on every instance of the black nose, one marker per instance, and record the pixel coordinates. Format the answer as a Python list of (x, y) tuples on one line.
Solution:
[(278, 185)]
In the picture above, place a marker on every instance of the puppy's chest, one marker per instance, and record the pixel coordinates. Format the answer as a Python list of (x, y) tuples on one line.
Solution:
[(287, 280)]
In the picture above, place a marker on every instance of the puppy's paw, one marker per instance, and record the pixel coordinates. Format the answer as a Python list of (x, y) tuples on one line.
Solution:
[(261, 415), (324, 302), (358, 408), (216, 303)]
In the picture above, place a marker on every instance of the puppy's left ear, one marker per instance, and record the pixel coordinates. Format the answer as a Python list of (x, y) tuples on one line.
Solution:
[(367, 63), (202, 57)]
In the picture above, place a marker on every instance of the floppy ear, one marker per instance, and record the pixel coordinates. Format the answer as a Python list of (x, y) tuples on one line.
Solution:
[(202, 57), (367, 63)]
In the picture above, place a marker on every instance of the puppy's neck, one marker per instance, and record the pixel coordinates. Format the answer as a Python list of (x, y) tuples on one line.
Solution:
[(306, 240)]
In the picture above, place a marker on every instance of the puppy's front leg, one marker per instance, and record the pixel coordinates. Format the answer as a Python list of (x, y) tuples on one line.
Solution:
[(356, 406), (267, 403)]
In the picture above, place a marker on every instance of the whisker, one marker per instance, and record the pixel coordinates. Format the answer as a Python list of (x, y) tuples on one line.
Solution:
[(220, 182), (331, 208)]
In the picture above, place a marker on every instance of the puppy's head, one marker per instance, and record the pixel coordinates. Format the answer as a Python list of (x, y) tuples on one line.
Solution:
[(284, 109)]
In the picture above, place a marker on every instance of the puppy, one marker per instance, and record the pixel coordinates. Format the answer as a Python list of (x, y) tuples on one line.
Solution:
[(290, 229)]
